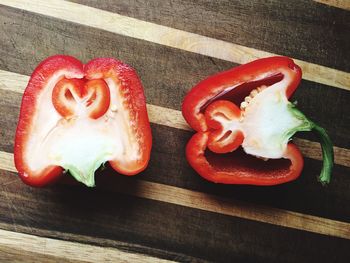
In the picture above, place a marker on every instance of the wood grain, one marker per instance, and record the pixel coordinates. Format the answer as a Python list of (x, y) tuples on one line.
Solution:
[(7, 162), (168, 211), (207, 202), (41, 247), (171, 37), (300, 29), (173, 118), (167, 74), (105, 217), (58, 231), (12, 255), (344, 4)]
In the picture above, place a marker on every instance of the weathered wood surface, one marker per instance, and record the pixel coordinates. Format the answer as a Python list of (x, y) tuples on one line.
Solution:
[(303, 29), (141, 218)]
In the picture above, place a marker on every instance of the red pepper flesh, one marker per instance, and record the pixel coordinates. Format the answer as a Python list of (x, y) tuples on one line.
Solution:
[(220, 140), (262, 89), (105, 96)]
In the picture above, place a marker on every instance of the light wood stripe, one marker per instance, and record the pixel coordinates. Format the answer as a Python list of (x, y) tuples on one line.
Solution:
[(171, 37), (313, 150), (66, 250), (343, 4), (7, 162), (173, 118), (216, 204)]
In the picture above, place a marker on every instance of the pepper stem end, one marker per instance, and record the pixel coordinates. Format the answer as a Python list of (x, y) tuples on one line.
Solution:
[(326, 144), (87, 179), (327, 154)]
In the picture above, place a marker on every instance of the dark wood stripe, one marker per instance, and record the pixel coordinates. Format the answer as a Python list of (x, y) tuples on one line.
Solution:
[(328, 108), (165, 84), (103, 214), (301, 29)]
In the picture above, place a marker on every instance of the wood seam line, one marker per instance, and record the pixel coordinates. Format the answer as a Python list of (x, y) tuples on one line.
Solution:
[(167, 36), (69, 250), (173, 118), (343, 4), (211, 203)]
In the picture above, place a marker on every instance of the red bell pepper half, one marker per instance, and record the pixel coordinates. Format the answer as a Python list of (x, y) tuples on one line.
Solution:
[(75, 117), (250, 143)]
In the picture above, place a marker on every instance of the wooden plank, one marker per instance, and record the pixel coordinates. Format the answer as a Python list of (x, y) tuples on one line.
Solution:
[(343, 4), (11, 254), (171, 37), (166, 79), (104, 217), (313, 150), (283, 27), (7, 162), (207, 202), (41, 247), (94, 240), (172, 118), (104, 213)]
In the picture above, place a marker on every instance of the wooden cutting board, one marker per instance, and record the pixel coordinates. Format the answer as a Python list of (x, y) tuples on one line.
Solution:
[(169, 213)]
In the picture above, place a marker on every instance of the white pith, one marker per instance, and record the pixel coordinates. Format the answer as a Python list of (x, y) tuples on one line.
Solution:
[(265, 120), (80, 144)]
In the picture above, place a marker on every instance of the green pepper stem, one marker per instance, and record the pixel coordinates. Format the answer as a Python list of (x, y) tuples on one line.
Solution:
[(327, 154), (86, 178), (326, 144)]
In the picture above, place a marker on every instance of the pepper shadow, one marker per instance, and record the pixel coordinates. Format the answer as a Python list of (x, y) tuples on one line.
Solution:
[(93, 211)]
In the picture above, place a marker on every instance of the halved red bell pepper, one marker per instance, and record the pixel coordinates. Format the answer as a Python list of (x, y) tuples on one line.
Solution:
[(75, 117), (250, 144)]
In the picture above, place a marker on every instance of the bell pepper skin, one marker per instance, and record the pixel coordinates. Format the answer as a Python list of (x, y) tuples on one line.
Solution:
[(76, 117), (243, 169), (250, 145), (218, 85)]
